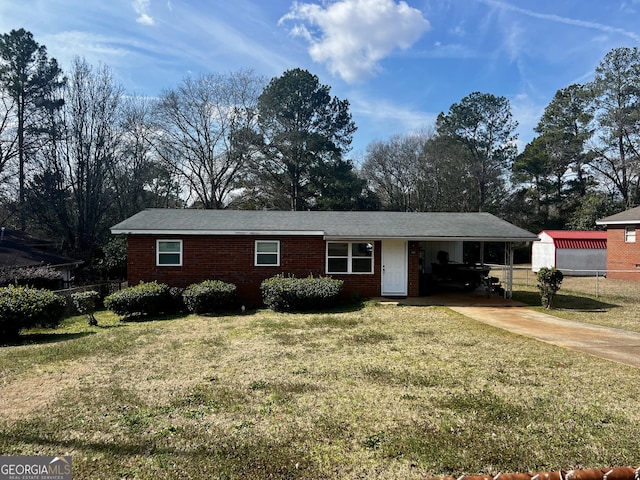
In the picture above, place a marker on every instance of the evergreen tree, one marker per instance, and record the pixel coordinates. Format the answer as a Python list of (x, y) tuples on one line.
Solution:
[(30, 78), (300, 128), (482, 123)]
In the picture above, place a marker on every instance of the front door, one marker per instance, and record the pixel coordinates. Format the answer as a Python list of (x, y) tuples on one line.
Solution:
[(394, 268)]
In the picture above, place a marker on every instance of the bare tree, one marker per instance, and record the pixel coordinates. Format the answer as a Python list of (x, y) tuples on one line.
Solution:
[(200, 123), (137, 175), (72, 189), (392, 169), (420, 172)]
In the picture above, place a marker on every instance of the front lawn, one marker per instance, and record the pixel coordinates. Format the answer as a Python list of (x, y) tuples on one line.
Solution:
[(617, 304), (383, 392)]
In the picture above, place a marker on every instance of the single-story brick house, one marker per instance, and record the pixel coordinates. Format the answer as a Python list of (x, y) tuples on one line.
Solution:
[(20, 250), (623, 247), (375, 253), (574, 252)]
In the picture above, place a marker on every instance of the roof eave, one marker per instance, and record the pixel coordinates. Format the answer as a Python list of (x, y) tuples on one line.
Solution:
[(320, 233), (118, 231)]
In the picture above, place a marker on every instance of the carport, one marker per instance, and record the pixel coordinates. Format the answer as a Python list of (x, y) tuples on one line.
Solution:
[(468, 241)]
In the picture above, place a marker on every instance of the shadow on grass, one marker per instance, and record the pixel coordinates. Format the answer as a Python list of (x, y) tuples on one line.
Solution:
[(43, 338), (143, 318), (347, 307), (232, 458), (565, 301)]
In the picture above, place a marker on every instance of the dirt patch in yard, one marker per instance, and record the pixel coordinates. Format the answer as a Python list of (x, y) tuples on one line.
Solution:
[(37, 391)]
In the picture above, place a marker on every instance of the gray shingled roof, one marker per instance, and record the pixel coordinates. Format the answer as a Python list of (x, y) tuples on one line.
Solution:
[(17, 249), (628, 217), (355, 225)]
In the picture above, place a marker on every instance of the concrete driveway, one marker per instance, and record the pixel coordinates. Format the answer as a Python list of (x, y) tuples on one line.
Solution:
[(618, 345)]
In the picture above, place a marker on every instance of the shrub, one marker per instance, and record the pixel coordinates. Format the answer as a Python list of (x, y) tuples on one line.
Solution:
[(45, 277), (86, 303), (549, 280), (288, 293), (25, 307), (209, 296), (114, 262), (146, 299)]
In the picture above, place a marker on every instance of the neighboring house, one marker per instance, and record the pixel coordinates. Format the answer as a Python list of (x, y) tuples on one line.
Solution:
[(575, 253), (375, 253), (623, 244), (19, 250)]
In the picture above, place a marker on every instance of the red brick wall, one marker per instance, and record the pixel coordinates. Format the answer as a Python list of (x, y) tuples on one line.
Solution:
[(231, 258), (414, 269), (622, 255)]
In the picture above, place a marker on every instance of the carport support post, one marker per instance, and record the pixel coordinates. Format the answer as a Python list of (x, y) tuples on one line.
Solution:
[(508, 250)]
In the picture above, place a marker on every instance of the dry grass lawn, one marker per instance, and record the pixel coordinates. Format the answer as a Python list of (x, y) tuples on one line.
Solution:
[(385, 392), (600, 301)]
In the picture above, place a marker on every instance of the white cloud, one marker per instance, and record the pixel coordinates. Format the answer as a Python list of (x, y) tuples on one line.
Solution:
[(566, 20), (389, 116), (528, 114), (352, 36), (96, 48), (141, 7)]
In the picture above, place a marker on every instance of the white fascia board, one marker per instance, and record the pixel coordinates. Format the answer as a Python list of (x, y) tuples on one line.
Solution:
[(217, 232), (619, 222), (434, 239)]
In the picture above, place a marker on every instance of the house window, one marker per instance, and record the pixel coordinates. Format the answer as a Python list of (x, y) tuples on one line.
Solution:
[(630, 234), (169, 253), (267, 253), (349, 257)]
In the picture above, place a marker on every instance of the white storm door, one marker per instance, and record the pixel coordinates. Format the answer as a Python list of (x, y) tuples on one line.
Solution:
[(394, 267)]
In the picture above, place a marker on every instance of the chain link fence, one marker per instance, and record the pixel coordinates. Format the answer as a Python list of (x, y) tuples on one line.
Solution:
[(104, 289), (590, 282)]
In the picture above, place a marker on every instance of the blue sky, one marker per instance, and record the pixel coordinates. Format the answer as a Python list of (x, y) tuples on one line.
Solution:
[(399, 63)]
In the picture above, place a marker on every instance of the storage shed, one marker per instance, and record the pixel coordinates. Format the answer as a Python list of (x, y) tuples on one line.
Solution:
[(574, 252)]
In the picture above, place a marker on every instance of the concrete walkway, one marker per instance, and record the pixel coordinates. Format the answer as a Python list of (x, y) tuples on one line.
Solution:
[(618, 345)]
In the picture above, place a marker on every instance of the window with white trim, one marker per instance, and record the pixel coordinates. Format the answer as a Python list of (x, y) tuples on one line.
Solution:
[(169, 253), (349, 257), (630, 234), (267, 253)]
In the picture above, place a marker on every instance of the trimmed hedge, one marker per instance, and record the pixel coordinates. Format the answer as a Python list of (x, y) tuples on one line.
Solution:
[(86, 303), (25, 307), (209, 296), (290, 294), (145, 299)]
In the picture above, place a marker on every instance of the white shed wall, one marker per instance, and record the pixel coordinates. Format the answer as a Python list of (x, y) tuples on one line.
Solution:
[(543, 253)]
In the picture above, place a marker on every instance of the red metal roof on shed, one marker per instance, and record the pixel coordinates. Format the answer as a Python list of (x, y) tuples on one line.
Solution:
[(578, 239)]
